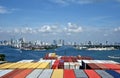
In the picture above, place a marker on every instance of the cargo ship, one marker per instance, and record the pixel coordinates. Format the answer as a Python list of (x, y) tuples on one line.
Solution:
[(55, 66)]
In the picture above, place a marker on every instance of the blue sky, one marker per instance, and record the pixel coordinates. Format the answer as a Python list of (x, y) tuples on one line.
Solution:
[(71, 20)]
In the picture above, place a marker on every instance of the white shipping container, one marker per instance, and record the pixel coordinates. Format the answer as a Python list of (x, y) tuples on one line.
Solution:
[(66, 65), (3, 72)]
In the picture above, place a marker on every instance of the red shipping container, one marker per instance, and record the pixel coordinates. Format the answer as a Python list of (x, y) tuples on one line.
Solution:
[(93, 66), (92, 74), (69, 73), (14, 72), (101, 66), (112, 66), (23, 74)]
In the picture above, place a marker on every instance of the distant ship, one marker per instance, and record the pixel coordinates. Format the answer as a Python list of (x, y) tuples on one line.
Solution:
[(110, 48), (114, 57)]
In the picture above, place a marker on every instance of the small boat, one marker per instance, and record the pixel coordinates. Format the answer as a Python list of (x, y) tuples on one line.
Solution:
[(114, 57)]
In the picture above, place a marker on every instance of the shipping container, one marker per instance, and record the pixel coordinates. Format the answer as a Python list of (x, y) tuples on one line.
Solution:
[(101, 66), (44, 65), (17, 65), (3, 72), (35, 73), (66, 65), (12, 73), (69, 73), (23, 74), (5, 64), (45, 74), (104, 74), (92, 74), (57, 73), (113, 73), (80, 74), (8, 66), (112, 66), (34, 65), (26, 65), (92, 66)]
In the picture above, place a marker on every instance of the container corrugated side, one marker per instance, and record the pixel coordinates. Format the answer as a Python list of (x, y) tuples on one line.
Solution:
[(25, 65), (44, 65), (8, 66), (112, 66), (46, 73), (57, 73), (35, 73), (17, 65), (69, 73), (104, 74), (80, 74), (92, 74), (23, 74), (101, 66), (93, 66), (66, 65), (5, 64), (12, 73), (113, 73), (34, 65), (3, 72)]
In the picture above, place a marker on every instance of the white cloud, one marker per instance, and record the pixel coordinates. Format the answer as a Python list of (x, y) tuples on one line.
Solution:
[(73, 28), (117, 29), (49, 29), (3, 10), (76, 1)]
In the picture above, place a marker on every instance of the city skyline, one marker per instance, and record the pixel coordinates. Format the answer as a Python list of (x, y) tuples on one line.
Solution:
[(70, 20)]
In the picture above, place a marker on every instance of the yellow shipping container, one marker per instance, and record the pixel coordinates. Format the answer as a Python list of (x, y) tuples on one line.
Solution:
[(44, 65), (57, 73), (17, 65), (53, 54), (8, 66), (26, 65), (34, 65), (1, 65)]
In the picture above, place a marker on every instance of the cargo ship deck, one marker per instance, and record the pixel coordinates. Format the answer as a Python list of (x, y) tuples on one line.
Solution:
[(54, 66)]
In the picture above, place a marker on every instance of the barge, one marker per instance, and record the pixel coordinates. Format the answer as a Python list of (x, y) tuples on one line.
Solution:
[(54, 66)]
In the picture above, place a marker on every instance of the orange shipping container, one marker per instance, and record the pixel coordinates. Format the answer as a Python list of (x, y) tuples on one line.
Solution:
[(92, 74)]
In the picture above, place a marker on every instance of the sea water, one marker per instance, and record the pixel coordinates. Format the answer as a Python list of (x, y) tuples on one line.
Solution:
[(13, 55)]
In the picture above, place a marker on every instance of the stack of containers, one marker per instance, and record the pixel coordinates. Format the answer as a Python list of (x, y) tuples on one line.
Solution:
[(61, 64), (45, 74), (104, 74), (80, 74), (12, 73), (69, 73), (22, 74), (113, 73), (44, 65), (51, 56), (92, 74), (35, 73), (66, 65), (57, 73), (55, 65), (3, 72), (100, 64), (48, 61)]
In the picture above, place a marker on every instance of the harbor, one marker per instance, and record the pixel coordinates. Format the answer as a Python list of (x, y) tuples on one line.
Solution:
[(60, 61), (55, 66)]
